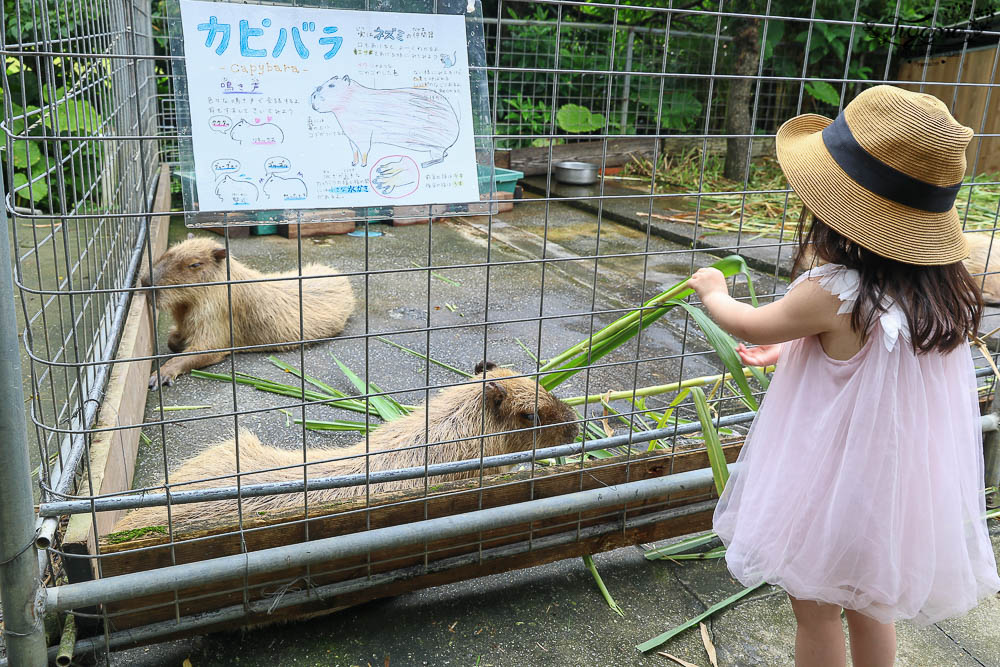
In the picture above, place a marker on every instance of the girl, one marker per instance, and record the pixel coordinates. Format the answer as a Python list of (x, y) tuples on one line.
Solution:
[(860, 486)]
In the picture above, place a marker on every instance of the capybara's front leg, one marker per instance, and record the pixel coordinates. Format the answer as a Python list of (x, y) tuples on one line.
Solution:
[(180, 365), (176, 341)]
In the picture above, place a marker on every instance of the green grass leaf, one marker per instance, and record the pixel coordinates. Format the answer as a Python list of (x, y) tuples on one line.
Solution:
[(589, 562), (716, 457), (425, 357), (334, 425), (386, 407), (673, 632), (572, 360), (678, 547), (725, 347)]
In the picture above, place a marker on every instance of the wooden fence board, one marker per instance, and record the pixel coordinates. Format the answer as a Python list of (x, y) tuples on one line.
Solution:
[(351, 517)]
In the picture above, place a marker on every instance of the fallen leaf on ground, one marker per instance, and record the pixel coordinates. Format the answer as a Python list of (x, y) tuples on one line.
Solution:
[(709, 646), (682, 663)]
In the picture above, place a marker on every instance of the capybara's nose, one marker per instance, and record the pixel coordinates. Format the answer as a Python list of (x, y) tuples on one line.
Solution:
[(144, 280)]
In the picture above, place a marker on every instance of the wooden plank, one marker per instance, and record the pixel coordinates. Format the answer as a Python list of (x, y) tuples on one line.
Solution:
[(111, 459), (352, 516), (968, 103), (316, 607)]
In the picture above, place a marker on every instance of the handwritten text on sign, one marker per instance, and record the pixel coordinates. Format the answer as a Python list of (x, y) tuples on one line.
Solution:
[(321, 108)]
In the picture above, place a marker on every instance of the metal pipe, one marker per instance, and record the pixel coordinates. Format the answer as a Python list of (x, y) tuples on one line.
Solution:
[(110, 503), (989, 424), (64, 473), (177, 577), (195, 622), (21, 592)]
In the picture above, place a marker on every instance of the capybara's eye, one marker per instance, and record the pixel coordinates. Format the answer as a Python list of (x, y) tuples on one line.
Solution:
[(529, 416), (329, 85), (195, 265)]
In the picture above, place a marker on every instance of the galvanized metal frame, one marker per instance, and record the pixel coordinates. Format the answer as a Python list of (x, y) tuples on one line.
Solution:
[(71, 326)]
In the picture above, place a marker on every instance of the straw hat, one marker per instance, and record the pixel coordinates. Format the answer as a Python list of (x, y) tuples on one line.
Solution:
[(884, 174)]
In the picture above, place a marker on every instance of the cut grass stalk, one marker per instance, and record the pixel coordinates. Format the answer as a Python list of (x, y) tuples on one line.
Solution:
[(177, 408), (528, 352), (334, 425), (673, 632), (439, 276), (716, 457), (573, 360), (589, 562), (387, 407), (262, 384), (717, 552), (654, 390), (425, 357), (679, 547)]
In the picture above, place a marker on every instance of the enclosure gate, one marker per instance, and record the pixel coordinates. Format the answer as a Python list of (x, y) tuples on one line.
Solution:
[(676, 107)]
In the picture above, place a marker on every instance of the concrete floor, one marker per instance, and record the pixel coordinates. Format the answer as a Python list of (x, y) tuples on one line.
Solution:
[(398, 302)]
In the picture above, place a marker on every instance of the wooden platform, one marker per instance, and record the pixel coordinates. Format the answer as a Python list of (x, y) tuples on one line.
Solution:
[(411, 567)]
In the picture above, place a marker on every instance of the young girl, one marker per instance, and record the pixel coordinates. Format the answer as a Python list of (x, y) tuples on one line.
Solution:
[(860, 486)]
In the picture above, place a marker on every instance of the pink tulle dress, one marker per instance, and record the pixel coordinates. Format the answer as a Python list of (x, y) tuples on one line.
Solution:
[(861, 481)]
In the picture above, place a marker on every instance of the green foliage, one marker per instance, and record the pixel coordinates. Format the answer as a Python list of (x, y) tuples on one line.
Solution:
[(49, 106), (576, 119), (824, 92)]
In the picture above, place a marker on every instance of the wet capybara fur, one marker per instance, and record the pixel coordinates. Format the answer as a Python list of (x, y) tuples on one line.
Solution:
[(502, 403), (263, 313)]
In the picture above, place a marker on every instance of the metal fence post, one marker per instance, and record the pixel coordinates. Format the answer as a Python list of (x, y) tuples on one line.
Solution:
[(20, 588)]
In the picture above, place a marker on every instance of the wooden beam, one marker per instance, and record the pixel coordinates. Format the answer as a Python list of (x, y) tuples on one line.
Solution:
[(220, 538), (111, 455)]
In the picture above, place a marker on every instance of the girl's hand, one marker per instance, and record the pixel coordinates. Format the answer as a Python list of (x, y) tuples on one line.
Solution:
[(707, 281), (762, 355)]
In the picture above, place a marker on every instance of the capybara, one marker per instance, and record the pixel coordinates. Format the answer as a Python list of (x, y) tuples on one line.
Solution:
[(501, 403), (263, 313), (984, 258), (415, 119)]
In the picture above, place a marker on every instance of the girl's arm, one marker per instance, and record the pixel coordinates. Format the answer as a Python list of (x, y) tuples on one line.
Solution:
[(805, 311)]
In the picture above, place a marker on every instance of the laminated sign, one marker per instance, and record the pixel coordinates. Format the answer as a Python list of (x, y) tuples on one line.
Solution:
[(300, 108)]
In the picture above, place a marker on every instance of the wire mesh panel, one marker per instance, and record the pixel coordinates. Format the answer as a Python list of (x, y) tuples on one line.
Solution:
[(243, 394)]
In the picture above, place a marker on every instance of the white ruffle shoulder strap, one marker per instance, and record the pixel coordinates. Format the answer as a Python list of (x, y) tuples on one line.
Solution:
[(844, 283)]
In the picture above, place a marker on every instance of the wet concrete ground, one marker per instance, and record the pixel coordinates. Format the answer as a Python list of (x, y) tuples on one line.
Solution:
[(521, 289)]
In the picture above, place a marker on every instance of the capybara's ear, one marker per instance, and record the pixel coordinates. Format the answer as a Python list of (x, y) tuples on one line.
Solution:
[(495, 392), (219, 254), (484, 366), (347, 79)]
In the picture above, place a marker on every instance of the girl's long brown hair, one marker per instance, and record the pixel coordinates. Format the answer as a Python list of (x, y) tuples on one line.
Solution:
[(943, 304)]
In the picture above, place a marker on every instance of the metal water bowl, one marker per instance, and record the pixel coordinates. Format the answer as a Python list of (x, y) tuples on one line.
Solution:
[(575, 173)]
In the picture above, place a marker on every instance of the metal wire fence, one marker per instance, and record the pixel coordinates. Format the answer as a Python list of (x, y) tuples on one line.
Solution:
[(677, 107)]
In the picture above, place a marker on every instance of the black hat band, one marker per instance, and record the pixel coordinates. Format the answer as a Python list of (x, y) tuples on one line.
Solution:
[(876, 176)]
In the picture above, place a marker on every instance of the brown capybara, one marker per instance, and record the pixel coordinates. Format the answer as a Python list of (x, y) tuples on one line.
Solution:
[(503, 403), (263, 313)]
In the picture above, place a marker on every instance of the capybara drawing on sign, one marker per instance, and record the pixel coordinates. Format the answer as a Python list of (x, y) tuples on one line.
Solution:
[(502, 405), (415, 119), (263, 313)]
